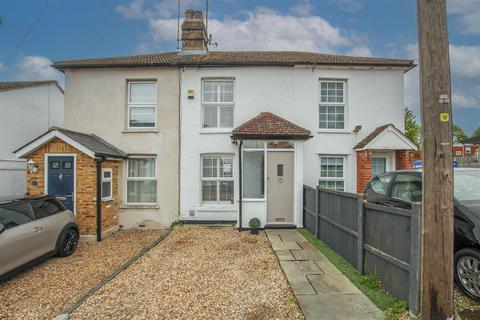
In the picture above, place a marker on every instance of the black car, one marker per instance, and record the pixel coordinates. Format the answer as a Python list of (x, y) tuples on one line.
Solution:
[(401, 188)]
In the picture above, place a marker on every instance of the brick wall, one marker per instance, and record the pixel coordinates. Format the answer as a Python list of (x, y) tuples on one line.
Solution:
[(86, 187), (403, 159), (364, 169)]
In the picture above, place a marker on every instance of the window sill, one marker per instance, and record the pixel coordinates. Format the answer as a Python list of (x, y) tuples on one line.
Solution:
[(339, 131), (107, 199), (140, 206), (140, 131), (210, 131), (253, 200)]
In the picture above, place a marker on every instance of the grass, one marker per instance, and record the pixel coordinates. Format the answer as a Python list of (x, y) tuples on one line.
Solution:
[(176, 223), (394, 309)]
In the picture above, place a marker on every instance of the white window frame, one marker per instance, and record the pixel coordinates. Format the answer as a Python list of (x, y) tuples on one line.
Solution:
[(336, 104), (218, 105), (380, 157), (218, 179), (140, 179), (343, 178), (110, 180), (131, 105)]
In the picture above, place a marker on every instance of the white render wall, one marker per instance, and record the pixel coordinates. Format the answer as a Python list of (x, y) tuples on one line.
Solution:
[(374, 98), (24, 115)]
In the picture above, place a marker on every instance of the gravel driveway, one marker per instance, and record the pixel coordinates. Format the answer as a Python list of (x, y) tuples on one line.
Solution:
[(198, 273), (45, 290)]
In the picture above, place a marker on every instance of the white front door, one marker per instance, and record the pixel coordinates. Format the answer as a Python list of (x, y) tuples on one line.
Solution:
[(280, 182)]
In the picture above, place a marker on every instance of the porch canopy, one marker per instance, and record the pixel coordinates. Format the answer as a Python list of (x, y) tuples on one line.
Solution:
[(90, 144), (265, 126), (386, 137), (269, 126)]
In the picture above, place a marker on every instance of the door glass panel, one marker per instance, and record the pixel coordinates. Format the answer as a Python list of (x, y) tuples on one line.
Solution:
[(55, 165), (67, 165), (280, 170)]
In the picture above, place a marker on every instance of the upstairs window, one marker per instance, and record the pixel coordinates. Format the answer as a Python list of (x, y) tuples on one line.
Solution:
[(142, 104), (217, 103), (332, 105)]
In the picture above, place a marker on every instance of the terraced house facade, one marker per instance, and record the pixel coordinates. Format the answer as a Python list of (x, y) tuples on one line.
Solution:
[(227, 136)]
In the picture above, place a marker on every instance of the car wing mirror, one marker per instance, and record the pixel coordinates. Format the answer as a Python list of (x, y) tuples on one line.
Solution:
[(2, 227)]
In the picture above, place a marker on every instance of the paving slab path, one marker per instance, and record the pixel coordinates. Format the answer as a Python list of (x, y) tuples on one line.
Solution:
[(322, 291)]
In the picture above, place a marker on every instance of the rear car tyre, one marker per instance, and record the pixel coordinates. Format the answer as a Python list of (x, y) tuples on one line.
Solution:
[(67, 243), (467, 272)]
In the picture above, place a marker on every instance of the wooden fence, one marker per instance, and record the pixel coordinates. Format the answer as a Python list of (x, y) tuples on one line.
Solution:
[(377, 240)]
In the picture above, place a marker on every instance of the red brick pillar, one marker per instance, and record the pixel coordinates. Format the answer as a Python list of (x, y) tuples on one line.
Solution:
[(364, 169), (403, 160)]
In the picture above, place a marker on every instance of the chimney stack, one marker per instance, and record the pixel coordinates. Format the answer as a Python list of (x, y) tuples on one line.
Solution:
[(194, 35)]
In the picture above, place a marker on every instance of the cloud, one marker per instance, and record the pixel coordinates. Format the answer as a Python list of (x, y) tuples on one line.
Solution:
[(465, 73), (37, 68), (468, 13), (260, 29), (304, 8), (348, 5)]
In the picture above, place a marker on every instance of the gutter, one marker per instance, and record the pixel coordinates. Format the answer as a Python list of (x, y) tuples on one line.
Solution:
[(240, 180)]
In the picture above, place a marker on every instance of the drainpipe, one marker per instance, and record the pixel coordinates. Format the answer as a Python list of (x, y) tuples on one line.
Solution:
[(240, 178), (99, 198)]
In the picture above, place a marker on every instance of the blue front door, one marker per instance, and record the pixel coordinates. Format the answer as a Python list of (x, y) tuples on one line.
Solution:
[(61, 179)]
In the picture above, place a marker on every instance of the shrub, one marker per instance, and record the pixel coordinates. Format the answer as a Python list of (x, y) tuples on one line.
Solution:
[(176, 223), (254, 223)]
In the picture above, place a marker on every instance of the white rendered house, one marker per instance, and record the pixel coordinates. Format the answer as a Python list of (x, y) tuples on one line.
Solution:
[(27, 109)]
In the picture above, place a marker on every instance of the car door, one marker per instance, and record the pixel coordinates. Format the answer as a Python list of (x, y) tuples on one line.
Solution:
[(18, 242), (406, 189), (50, 221), (378, 188)]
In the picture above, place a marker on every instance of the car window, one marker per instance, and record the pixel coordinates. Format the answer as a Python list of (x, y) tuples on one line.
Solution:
[(407, 188), (380, 184), (16, 214), (45, 208)]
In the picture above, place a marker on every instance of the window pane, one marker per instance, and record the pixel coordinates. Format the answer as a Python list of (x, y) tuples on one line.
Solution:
[(107, 174), (15, 215), (142, 92), (332, 117), (407, 188), (141, 167), (210, 117), (218, 91), (142, 117), (210, 169), (209, 191), (142, 191), (253, 174), (226, 190), (253, 144), (226, 167), (280, 145), (106, 191), (226, 117), (379, 165)]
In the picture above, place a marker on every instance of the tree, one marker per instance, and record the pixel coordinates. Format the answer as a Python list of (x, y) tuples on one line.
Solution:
[(458, 134), (476, 133), (412, 129)]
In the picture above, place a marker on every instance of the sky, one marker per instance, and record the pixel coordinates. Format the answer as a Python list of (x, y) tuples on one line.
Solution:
[(33, 33)]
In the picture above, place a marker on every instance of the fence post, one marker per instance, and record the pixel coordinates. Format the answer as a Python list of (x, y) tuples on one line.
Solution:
[(415, 260), (360, 230), (316, 212)]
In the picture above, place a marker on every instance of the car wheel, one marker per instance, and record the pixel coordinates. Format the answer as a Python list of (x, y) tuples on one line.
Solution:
[(68, 243), (467, 272)]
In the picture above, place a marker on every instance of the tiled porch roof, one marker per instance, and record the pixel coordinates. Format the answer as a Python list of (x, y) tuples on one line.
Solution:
[(270, 126)]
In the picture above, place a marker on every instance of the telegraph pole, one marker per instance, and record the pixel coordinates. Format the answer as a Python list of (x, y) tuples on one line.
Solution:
[(437, 207)]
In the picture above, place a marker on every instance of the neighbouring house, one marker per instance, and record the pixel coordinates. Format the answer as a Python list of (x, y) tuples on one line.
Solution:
[(74, 166), (467, 147), (227, 136), (27, 108)]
